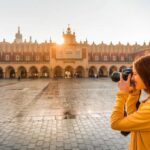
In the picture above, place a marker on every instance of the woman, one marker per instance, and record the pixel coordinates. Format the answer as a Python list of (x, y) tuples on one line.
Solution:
[(137, 121)]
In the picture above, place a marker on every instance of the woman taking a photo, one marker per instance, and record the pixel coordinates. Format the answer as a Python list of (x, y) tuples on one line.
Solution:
[(137, 121)]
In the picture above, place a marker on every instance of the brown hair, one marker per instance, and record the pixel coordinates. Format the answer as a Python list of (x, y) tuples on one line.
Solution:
[(142, 66)]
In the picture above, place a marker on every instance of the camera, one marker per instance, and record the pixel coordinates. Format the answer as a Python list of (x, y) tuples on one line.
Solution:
[(115, 76)]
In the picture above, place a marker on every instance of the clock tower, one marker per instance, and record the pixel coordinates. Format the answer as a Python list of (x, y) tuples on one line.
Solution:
[(69, 37)]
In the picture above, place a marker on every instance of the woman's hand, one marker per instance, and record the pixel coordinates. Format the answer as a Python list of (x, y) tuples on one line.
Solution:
[(124, 86)]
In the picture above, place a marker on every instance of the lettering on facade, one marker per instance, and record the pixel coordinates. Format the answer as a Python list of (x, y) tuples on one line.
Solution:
[(69, 53)]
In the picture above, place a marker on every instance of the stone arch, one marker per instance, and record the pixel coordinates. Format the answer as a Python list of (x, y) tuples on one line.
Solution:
[(92, 71), (44, 72), (10, 72), (112, 69), (69, 71), (1, 73), (33, 72), (22, 72), (103, 72), (79, 72), (121, 68), (58, 72)]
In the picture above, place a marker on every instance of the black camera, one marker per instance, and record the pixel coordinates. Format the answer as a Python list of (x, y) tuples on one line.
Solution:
[(115, 76)]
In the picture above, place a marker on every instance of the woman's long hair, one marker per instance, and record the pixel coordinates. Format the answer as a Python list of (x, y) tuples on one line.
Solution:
[(142, 66)]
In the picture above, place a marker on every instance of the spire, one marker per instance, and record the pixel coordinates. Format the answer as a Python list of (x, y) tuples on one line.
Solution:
[(18, 36), (86, 41), (50, 40), (30, 39), (111, 43), (93, 43), (68, 29), (18, 30), (119, 43)]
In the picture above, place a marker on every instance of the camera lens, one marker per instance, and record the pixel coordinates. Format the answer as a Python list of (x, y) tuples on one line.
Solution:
[(115, 76), (126, 72)]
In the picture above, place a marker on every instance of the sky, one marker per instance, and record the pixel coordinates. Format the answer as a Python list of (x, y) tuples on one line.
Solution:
[(96, 20)]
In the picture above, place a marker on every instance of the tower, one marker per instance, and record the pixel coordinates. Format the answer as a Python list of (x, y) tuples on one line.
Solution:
[(18, 36), (69, 37)]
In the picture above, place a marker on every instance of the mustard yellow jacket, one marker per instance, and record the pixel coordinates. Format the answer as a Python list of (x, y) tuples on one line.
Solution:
[(136, 121)]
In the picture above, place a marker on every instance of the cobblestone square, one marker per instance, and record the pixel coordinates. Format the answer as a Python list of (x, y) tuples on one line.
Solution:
[(58, 114)]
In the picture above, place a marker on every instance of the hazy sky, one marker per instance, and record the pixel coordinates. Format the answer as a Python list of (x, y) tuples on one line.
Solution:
[(96, 20)]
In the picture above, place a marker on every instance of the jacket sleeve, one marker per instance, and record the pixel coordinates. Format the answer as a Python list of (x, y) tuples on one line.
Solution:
[(139, 120), (131, 102)]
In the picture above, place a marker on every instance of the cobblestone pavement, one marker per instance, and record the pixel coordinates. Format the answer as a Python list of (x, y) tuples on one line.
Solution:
[(58, 114)]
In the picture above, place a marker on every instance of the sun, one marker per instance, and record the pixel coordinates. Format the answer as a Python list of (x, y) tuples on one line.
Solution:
[(59, 41)]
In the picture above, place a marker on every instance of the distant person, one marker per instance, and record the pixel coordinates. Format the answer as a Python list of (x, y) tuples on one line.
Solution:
[(137, 121)]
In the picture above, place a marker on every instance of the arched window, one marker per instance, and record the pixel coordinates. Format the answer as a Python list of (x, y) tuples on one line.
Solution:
[(105, 58), (122, 58), (130, 58), (96, 58), (37, 58), (27, 58), (114, 58), (7, 57), (17, 57)]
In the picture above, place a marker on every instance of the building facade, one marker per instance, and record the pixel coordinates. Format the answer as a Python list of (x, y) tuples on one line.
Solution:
[(71, 59)]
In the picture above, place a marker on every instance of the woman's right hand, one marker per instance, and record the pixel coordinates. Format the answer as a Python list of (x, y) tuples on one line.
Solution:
[(124, 86)]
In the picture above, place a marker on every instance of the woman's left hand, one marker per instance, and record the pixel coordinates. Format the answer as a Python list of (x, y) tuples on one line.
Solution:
[(124, 86)]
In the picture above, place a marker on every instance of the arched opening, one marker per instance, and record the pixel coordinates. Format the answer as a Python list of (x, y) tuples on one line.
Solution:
[(58, 72), (103, 72), (112, 69), (68, 72), (1, 73), (10, 72), (33, 72), (79, 73), (22, 73), (44, 72), (92, 72), (121, 68)]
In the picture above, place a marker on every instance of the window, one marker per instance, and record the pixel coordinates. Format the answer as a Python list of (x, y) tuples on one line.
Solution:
[(17, 58), (122, 58), (37, 58), (47, 58), (114, 58), (27, 58), (96, 58), (130, 58), (105, 58), (7, 58)]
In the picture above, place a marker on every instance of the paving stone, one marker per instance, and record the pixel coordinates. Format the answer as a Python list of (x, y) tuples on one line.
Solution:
[(58, 114)]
